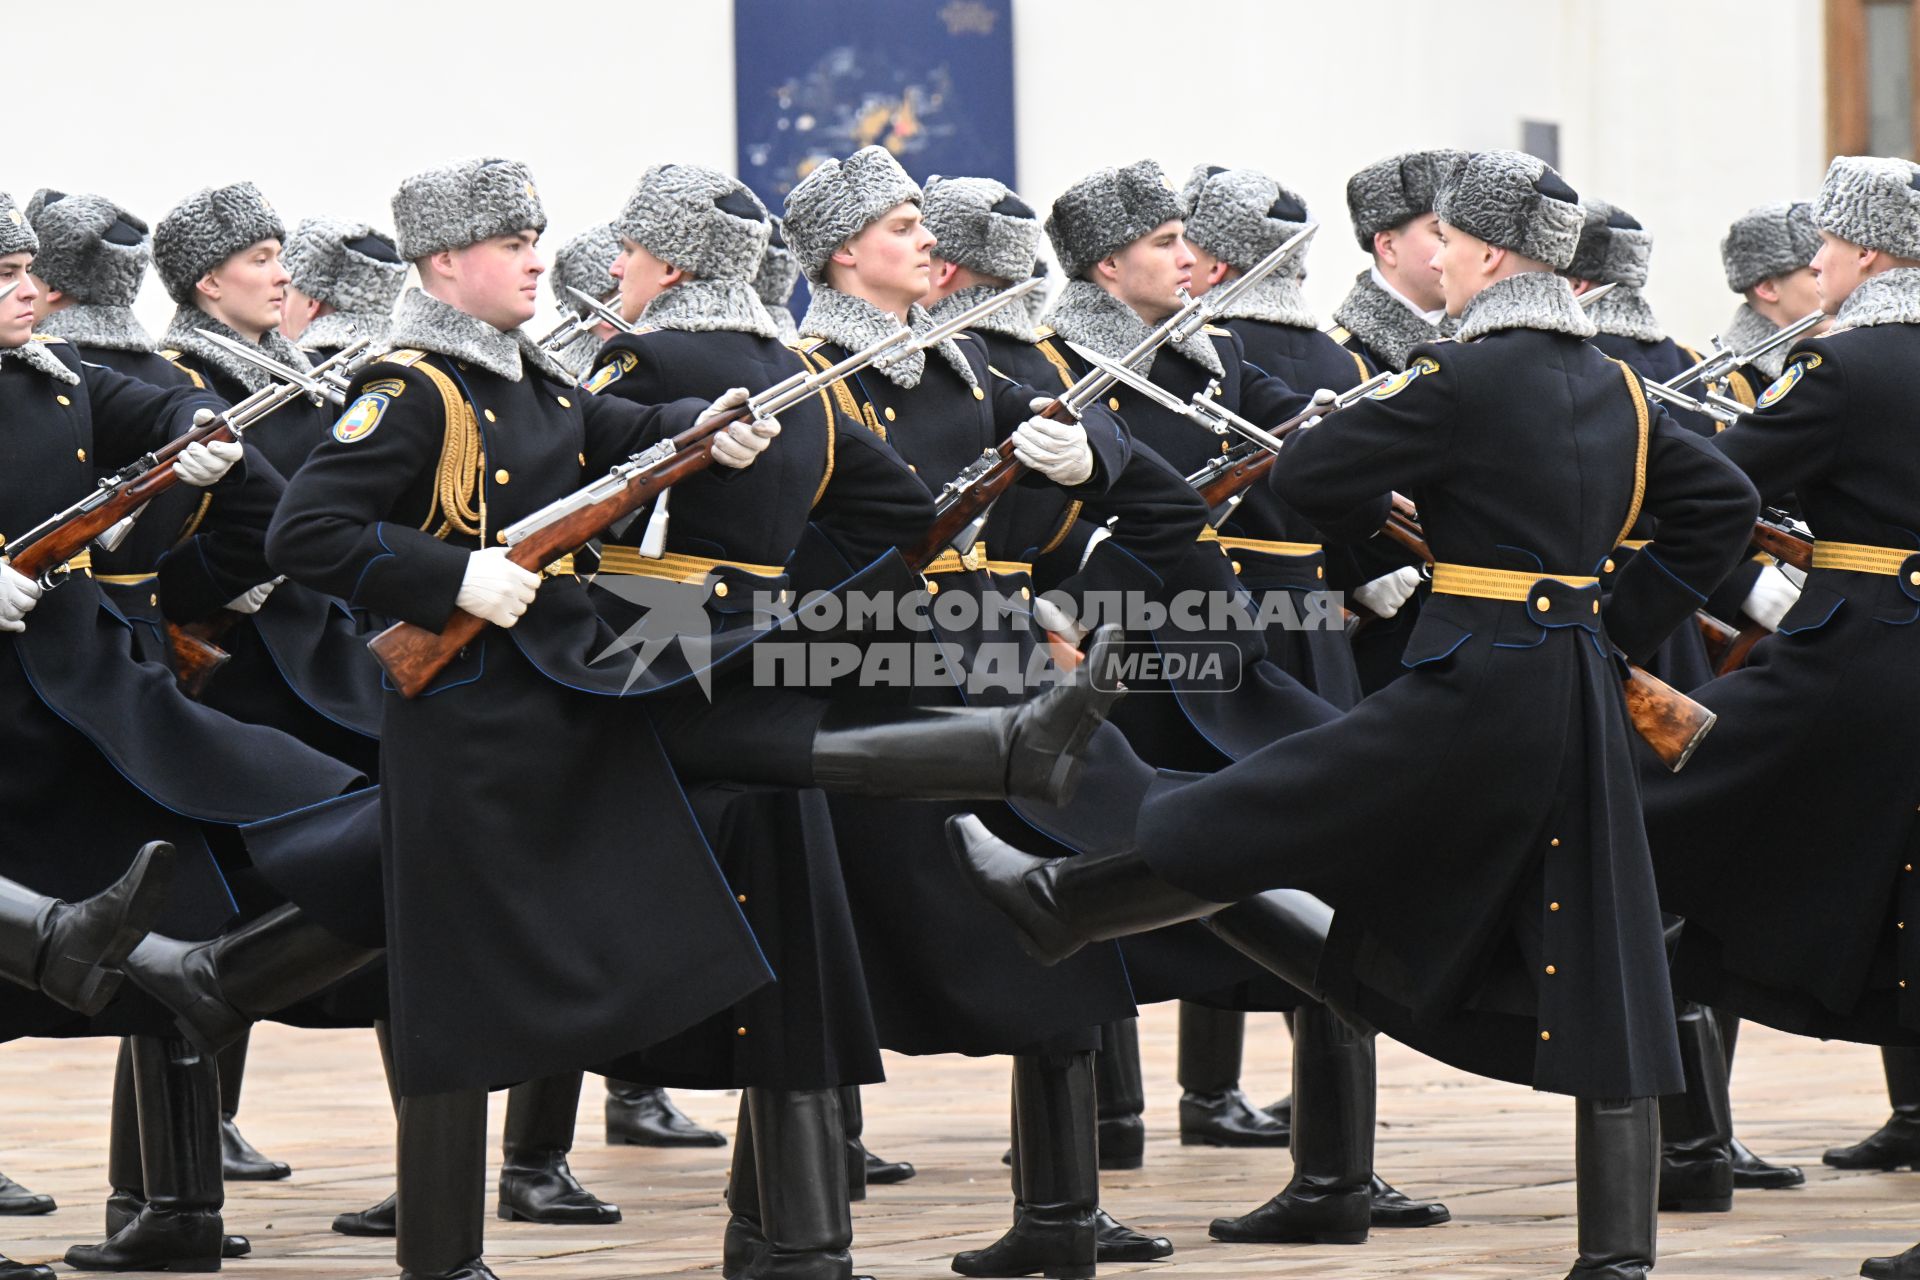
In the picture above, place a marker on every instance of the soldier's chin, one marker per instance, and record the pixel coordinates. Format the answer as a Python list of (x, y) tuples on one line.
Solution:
[(16, 335)]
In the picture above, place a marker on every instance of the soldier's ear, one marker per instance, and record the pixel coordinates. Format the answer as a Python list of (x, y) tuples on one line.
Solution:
[(843, 255), (1108, 268), (207, 287), (1767, 290), (1384, 247)]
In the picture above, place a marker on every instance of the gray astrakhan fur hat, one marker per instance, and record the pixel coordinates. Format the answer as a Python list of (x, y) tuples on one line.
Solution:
[(1872, 201), (1108, 210), (1613, 249), (584, 263), (1770, 240), (1239, 215), (347, 265), (697, 219), (1513, 201), (1393, 192), (983, 226), (779, 272), (206, 229), (838, 200), (461, 204), (91, 249), (16, 230)]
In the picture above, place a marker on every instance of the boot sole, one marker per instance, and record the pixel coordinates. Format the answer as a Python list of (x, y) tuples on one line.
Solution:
[(506, 1214), (662, 1144), (1714, 1204), (363, 1233), (178, 1265), (1197, 1140), (1305, 1237)]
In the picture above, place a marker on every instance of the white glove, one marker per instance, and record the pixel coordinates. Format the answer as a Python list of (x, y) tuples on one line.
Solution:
[(18, 595), (1052, 617), (1057, 450), (202, 464), (1773, 594), (250, 600), (1384, 595), (495, 588), (738, 444)]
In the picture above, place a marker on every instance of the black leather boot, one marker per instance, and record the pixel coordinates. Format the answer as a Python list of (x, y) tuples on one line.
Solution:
[(442, 1195), (1121, 1095), (865, 1169), (1901, 1266), (218, 989), (1330, 1198), (1897, 1142), (17, 1201), (641, 1117), (745, 1238), (70, 951), (383, 1218), (1616, 1154), (1213, 1110), (179, 1227), (1055, 1228), (1059, 905), (1696, 1163), (536, 1185), (128, 1194), (11, 1270), (1027, 752), (1396, 1209), (238, 1157), (798, 1140), (1750, 1172)]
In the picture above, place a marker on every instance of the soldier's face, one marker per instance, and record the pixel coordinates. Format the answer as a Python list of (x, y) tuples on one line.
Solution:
[(1207, 270), (1406, 255), (1838, 268), (498, 279), (1464, 263), (1798, 293), (1149, 274), (296, 313), (892, 257), (248, 290), (643, 277), (16, 309), (42, 305)]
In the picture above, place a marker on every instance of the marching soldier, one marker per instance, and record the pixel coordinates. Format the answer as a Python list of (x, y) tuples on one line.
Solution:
[(1776, 776), (1521, 937), (1767, 253), (584, 263), (343, 279)]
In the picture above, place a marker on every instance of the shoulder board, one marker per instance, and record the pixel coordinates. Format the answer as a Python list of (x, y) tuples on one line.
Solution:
[(47, 338), (170, 355), (1043, 331), (1214, 330), (405, 357), (1340, 334)]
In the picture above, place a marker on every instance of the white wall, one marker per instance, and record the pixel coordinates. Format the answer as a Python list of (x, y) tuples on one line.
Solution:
[(327, 106)]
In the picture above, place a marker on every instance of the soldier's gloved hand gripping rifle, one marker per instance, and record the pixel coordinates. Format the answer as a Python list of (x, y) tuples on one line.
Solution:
[(961, 507), (412, 655)]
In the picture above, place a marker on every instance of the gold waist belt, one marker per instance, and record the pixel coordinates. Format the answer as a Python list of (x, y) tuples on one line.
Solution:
[(1234, 542), (951, 561), (675, 567), (1858, 557), (1496, 584)]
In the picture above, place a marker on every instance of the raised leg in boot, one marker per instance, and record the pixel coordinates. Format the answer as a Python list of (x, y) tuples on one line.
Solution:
[(1696, 1163), (1329, 1200), (218, 989), (179, 1226), (381, 1219), (1616, 1153), (1056, 1171), (798, 1139), (71, 952), (442, 1191), (1897, 1142), (1121, 1095), (638, 1116), (1213, 1110), (237, 1156), (536, 1184)]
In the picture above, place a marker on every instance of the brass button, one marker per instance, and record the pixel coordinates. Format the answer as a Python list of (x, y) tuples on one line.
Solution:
[(978, 394), (1546, 1035), (1908, 867), (488, 413), (739, 1031), (502, 476), (80, 454), (1236, 566), (1319, 571), (1555, 842), (720, 590), (933, 588), (1607, 567), (64, 402), (583, 459), (1543, 604), (913, 468), (1113, 403), (741, 896), (1596, 606), (1026, 594), (1225, 447), (501, 537), (564, 402), (1553, 906), (889, 413), (1901, 925), (153, 600), (1914, 577), (1551, 971)]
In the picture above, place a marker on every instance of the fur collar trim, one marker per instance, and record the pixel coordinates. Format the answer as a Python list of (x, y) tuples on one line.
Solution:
[(711, 306), (1625, 313), (1748, 330), (87, 325), (35, 355), (1276, 300), (1011, 321), (1892, 297), (854, 323), (1384, 325), (187, 335), (339, 329), (1094, 318), (1531, 300), (424, 322)]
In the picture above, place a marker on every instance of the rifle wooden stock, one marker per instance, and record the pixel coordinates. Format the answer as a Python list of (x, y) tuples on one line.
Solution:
[(965, 507), (413, 655), (1672, 723), (194, 651), (1783, 544), (1717, 636), (1236, 479)]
